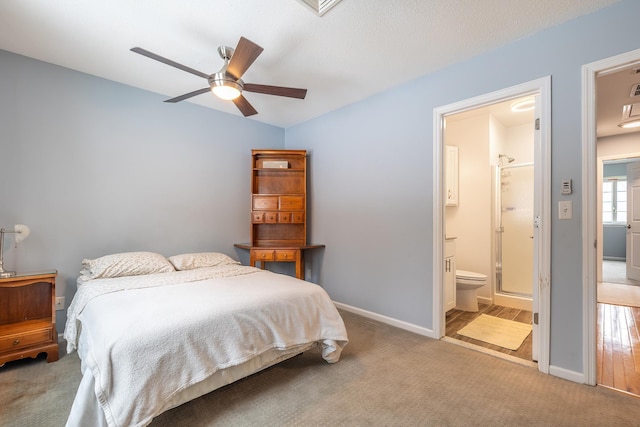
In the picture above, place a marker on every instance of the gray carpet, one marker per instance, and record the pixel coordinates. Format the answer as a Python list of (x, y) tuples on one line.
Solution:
[(387, 377)]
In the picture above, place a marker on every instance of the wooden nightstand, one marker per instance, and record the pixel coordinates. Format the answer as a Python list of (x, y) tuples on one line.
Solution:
[(28, 316)]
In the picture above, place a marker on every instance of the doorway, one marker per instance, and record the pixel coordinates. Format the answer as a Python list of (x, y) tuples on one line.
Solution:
[(540, 91), (594, 115)]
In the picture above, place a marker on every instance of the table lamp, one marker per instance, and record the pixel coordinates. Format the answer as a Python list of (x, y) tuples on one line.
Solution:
[(22, 232)]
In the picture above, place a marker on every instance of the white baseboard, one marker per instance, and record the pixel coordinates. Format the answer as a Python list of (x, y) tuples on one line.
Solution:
[(576, 377), (556, 371), (388, 320), (485, 300)]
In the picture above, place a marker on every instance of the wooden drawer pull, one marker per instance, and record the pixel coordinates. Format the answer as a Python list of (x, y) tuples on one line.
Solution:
[(16, 342)]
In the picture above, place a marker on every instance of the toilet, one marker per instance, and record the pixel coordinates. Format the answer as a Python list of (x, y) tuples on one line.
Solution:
[(467, 285)]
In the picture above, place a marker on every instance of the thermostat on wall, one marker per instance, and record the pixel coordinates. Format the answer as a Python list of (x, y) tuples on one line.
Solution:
[(566, 187)]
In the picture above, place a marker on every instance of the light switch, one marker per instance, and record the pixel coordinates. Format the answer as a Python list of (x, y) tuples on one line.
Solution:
[(565, 209)]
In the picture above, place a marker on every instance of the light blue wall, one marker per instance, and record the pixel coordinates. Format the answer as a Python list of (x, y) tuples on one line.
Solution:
[(372, 180), (95, 167)]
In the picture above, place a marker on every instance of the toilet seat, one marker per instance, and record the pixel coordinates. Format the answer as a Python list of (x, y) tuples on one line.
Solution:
[(470, 277)]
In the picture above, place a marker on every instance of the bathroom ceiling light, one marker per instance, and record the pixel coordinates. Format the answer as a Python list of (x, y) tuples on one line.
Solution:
[(524, 104)]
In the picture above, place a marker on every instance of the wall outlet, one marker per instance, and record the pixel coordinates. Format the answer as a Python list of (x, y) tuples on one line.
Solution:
[(59, 303)]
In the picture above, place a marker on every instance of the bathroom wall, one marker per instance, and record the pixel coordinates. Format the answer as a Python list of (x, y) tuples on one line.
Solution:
[(471, 220), (519, 143)]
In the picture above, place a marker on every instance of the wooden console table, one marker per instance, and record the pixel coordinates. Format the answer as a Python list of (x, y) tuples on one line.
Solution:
[(278, 253)]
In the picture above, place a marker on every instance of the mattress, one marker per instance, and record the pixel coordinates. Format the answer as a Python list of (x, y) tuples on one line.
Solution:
[(145, 349)]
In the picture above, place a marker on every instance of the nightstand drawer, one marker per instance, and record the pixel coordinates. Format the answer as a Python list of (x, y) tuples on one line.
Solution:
[(25, 339), (263, 254), (286, 255)]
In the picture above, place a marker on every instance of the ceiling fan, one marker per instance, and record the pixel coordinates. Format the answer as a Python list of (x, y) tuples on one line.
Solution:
[(226, 83)]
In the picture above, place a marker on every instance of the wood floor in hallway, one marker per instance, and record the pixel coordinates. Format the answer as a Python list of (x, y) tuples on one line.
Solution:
[(618, 347), (457, 319)]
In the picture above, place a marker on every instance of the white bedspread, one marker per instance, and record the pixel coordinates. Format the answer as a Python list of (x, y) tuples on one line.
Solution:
[(146, 343)]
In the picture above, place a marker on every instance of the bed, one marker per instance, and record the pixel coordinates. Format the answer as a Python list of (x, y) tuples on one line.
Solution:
[(154, 332)]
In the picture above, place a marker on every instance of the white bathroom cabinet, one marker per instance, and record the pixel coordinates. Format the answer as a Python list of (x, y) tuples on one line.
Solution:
[(449, 274), (451, 175)]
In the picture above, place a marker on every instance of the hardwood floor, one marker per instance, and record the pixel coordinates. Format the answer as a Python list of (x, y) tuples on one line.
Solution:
[(457, 319), (618, 347)]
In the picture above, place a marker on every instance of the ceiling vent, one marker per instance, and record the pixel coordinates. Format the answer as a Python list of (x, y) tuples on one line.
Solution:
[(635, 90), (320, 7)]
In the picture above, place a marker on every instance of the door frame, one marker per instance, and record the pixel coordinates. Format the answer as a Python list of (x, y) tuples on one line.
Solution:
[(633, 170), (600, 161), (589, 204), (542, 195)]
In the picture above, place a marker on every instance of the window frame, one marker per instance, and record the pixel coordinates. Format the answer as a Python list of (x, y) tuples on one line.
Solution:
[(615, 181)]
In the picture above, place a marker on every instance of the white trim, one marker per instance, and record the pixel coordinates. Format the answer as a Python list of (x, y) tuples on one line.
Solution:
[(490, 352), (429, 333), (437, 305), (385, 319), (574, 376), (589, 223), (541, 86)]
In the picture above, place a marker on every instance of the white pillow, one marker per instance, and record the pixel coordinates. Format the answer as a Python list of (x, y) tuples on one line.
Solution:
[(200, 260), (127, 264)]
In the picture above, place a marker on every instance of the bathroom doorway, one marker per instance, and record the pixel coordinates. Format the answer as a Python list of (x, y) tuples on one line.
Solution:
[(482, 169)]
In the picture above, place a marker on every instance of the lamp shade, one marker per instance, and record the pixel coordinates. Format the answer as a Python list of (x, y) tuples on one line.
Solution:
[(22, 232)]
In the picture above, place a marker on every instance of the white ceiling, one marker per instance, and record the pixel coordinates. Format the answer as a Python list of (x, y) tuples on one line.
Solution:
[(357, 49)]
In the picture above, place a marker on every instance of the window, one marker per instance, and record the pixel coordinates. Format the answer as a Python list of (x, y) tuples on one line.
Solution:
[(614, 201)]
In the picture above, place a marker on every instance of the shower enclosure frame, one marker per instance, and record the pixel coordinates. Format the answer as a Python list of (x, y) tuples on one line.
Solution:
[(519, 300)]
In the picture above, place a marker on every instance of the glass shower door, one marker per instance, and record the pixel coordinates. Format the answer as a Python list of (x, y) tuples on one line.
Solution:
[(514, 261)]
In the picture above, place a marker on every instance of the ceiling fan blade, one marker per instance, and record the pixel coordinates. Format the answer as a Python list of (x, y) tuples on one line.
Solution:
[(164, 60), (189, 95), (243, 105), (243, 56), (276, 90)]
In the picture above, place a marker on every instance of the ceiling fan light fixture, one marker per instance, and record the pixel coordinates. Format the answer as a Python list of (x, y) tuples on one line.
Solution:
[(225, 88)]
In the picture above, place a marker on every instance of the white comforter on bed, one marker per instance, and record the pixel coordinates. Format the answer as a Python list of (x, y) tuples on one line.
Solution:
[(144, 343)]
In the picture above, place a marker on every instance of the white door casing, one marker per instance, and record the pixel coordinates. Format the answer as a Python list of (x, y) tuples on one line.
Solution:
[(589, 198), (633, 221), (538, 248), (542, 206)]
